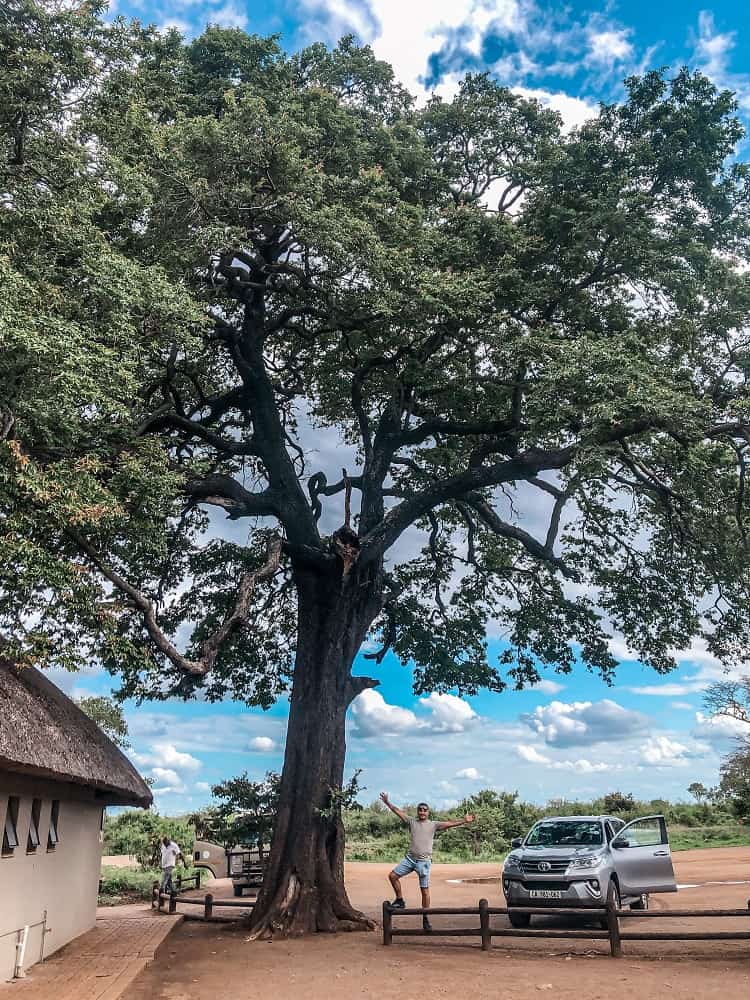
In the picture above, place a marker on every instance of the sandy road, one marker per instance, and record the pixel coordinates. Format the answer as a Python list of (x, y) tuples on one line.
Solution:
[(209, 962)]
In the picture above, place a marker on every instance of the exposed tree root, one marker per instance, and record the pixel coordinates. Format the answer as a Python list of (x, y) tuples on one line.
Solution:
[(303, 909)]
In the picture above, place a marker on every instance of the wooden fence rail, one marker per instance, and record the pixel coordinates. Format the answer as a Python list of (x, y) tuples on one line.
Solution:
[(182, 881), (208, 902), (608, 912)]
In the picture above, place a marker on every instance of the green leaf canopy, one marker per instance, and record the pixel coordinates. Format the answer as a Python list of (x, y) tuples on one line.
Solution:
[(536, 342)]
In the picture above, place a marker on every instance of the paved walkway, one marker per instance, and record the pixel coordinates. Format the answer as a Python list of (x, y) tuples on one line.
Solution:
[(101, 964)]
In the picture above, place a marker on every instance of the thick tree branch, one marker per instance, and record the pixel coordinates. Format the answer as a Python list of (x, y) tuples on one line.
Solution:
[(294, 312), (211, 647), (194, 428), (356, 685), (525, 466), (544, 552), (285, 489), (436, 425), (317, 486), (732, 428), (457, 487), (225, 492)]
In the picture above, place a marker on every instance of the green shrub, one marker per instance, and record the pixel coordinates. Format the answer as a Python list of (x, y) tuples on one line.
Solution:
[(138, 832), (129, 885), (374, 833)]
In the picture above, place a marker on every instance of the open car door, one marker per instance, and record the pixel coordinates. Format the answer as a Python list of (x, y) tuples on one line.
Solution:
[(642, 858)]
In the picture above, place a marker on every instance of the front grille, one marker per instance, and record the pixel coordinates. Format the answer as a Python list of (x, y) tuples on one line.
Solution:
[(555, 865), (541, 884)]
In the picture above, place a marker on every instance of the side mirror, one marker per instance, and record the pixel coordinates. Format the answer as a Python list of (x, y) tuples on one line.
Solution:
[(620, 842), (516, 842)]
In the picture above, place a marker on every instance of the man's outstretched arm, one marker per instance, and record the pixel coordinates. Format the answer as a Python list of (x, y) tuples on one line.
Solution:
[(446, 824), (394, 809)]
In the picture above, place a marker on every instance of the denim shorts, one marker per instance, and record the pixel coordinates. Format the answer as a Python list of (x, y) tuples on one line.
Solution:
[(409, 865)]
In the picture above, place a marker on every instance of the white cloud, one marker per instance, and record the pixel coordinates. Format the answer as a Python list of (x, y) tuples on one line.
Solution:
[(712, 53), (69, 680), (712, 48), (531, 754), (582, 723), (167, 780), (450, 714), (721, 729), (672, 689), (580, 766), (165, 755), (407, 34), (171, 23), (468, 774), (373, 716), (574, 111), (710, 669), (448, 787), (662, 751), (607, 47), (330, 19), (219, 731), (583, 766), (231, 15), (262, 744), (547, 687), (410, 32), (168, 767), (682, 706), (202, 786)]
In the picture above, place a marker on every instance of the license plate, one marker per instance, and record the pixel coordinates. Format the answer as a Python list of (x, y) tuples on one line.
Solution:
[(545, 893)]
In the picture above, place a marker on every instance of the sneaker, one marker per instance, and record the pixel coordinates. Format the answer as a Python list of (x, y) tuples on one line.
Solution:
[(398, 903), (426, 925)]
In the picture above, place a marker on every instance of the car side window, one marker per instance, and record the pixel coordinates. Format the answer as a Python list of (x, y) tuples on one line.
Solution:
[(644, 833)]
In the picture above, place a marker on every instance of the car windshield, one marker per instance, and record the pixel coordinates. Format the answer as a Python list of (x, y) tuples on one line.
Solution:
[(566, 833)]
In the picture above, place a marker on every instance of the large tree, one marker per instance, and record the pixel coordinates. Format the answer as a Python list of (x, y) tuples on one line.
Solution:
[(533, 342)]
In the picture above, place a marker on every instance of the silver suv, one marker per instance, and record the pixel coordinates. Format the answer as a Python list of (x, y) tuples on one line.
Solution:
[(573, 860)]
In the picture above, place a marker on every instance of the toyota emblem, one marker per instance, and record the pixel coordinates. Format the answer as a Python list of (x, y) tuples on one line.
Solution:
[(544, 866)]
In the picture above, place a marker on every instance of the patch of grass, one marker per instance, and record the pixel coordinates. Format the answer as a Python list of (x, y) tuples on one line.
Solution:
[(696, 837), (130, 885)]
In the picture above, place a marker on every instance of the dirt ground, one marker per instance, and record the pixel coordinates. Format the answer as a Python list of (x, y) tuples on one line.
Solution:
[(218, 962)]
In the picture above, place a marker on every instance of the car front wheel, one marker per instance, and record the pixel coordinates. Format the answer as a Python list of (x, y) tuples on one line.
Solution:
[(519, 919)]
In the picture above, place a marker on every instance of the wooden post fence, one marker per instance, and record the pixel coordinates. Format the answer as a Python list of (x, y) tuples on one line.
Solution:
[(208, 908), (387, 924), (610, 913), (484, 924), (613, 924)]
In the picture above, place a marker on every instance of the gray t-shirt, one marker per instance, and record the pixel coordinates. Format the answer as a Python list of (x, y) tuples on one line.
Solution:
[(422, 836)]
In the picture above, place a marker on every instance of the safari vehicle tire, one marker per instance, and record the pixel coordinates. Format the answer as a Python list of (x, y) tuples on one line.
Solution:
[(519, 919)]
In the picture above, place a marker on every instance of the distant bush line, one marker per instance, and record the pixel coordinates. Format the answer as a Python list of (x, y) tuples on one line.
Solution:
[(373, 833)]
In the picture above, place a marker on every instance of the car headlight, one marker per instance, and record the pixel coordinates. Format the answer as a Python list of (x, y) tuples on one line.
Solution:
[(592, 861), (512, 863)]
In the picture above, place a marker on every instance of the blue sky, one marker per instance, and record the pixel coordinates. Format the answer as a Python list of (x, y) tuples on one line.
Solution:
[(572, 736)]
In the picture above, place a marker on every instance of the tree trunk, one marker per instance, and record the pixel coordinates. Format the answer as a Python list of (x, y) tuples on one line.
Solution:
[(303, 887)]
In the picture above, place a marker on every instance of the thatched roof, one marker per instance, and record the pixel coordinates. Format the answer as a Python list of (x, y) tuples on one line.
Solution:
[(45, 734)]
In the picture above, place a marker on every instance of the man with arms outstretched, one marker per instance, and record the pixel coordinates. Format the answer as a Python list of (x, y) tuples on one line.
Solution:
[(419, 856)]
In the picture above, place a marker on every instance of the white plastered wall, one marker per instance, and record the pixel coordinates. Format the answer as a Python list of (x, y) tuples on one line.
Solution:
[(63, 881)]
